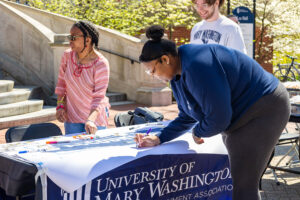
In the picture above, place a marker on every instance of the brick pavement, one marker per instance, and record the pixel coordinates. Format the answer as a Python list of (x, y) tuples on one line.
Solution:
[(289, 188)]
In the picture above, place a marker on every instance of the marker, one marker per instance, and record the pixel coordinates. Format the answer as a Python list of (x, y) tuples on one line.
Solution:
[(147, 133), (83, 137), (26, 151), (138, 142), (150, 129), (23, 152), (57, 142)]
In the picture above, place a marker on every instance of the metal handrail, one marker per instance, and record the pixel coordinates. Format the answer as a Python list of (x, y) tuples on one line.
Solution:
[(120, 55), (61, 39)]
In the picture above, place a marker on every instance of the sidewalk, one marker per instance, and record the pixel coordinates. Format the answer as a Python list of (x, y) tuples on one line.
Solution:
[(289, 188)]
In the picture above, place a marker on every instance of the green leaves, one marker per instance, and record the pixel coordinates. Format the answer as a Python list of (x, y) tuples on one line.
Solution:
[(126, 16)]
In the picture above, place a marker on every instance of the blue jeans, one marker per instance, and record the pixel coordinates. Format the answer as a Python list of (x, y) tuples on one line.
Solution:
[(77, 128)]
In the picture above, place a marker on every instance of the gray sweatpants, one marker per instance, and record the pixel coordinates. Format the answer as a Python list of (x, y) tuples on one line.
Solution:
[(251, 140)]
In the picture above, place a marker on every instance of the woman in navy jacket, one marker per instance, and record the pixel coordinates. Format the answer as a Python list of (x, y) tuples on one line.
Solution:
[(220, 90)]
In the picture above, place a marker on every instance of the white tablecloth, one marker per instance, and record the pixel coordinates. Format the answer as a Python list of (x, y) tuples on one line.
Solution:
[(78, 162)]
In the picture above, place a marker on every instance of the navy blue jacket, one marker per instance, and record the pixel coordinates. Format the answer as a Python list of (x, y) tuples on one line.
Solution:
[(216, 86)]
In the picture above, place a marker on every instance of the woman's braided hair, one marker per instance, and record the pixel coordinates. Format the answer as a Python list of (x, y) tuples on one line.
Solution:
[(89, 30)]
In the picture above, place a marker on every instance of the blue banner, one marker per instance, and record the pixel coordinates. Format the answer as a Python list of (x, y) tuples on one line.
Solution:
[(163, 177)]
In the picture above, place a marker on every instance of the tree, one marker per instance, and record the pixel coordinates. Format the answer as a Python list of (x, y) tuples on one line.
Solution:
[(127, 16), (168, 13), (277, 19)]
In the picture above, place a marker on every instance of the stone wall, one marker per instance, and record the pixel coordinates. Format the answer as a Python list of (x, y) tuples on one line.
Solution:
[(32, 42), (24, 48)]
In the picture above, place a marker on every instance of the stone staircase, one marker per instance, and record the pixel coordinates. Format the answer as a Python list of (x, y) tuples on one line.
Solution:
[(117, 99), (18, 106), (21, 105)]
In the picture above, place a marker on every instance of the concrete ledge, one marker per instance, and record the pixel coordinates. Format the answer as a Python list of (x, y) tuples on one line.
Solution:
[(45, 115), (6, 85), (154, 96), (20, 108), (16, 95)]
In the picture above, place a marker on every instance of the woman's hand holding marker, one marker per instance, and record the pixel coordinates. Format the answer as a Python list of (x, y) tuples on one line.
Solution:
[(146, 140)]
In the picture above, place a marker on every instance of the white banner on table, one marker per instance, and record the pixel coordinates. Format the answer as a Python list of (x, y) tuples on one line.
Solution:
[(81, 161)]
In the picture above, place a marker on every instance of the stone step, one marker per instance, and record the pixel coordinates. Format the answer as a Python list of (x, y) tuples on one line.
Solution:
[(116, 96), (44, 115), (119, 103), (16, 95), (20, 108), (6, 85), (117, 99), (36, 92)]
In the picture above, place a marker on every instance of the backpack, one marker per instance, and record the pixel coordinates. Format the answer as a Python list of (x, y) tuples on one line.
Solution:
[(140, 115)]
